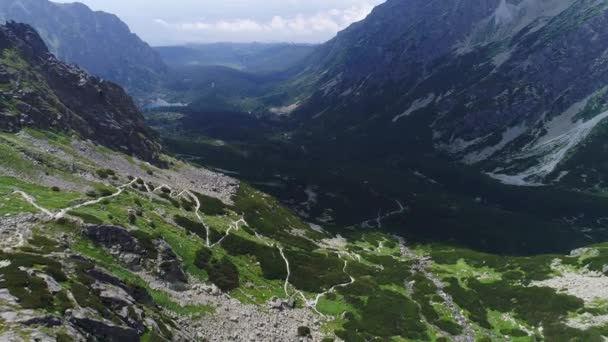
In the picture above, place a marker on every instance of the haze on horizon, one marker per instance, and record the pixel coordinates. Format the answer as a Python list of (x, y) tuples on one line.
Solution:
[(165, 22)]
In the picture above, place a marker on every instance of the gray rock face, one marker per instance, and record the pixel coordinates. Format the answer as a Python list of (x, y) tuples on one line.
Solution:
[(517, 87), (169, 267), (98, 42), (114, 237), (67, 98), (102, 330), (138, 251)]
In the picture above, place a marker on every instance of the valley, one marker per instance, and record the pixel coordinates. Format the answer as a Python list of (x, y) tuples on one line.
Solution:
[(434, 172)]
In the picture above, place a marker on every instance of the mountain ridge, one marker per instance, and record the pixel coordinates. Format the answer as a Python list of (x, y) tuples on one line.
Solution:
[(97, 41), (42, 92), (485, 77)]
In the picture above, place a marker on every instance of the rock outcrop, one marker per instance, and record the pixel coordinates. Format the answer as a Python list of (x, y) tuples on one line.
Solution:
[(97, 41), (515, 87), (138, 251), (40, 91)]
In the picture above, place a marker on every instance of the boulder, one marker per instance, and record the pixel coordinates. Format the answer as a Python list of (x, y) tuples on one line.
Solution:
[(169, 266), (102, 330)]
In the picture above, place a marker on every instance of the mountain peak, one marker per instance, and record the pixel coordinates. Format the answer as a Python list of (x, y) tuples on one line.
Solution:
[(40, 91), (99, 42)]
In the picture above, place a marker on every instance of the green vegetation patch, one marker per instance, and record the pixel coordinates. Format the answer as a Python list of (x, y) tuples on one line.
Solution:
[(224, 274), (211, 206), (192, 226), (386, 314), (267, 216), (44, 197), (29, 289), (315, 272), (269, 258)]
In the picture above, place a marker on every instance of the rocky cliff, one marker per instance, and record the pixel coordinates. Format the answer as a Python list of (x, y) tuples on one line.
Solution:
[(40, 91), (98, 42), (514, 87)]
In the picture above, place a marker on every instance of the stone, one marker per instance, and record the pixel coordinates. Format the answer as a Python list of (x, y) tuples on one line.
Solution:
[(86, 319)]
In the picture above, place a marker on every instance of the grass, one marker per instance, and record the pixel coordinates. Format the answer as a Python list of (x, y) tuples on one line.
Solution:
[(377, 305), (14, 204), (334, 305), (45, 197), (386, 314)]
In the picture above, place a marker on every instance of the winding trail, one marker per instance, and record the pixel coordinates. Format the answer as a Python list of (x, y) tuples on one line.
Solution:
[(378, 220), (311, 303), (198, 215), (236, 225), (188, 194), (332, 289), (29, 199), (421, 265), (288, 270), (121, 189)]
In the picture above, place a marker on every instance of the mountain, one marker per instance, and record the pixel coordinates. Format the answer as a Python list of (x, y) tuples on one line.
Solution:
[(101, 245), (427, 105), (515, 88), (229, 77), (259, 58), (96, 41), (40, 91)]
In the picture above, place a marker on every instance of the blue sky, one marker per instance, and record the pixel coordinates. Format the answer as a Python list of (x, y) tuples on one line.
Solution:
[(163, 22)]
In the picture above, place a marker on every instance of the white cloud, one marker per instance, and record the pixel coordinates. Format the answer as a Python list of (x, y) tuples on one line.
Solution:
[(329, 22), (167, 22)]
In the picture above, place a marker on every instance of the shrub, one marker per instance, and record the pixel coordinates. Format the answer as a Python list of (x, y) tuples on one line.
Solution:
[(187, 205), (211, 206), (224, 274), (87, 218), (202, 258), (105, 173), (132, 217), (55, 189), (304, 332), (191, 226)]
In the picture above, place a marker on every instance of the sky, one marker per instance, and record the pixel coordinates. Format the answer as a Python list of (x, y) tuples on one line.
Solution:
[(170, 22)]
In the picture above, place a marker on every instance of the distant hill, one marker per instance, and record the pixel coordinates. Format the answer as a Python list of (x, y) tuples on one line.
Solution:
[(251, 57), (96, 41)]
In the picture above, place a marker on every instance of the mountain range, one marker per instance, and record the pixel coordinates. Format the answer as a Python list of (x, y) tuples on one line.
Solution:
[(96, 41), (433, 173), (516, 88)]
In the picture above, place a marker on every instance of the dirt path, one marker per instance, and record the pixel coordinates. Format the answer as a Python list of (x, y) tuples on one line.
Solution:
[(378, 220), (312, 303), (29, 199), (421, 265), (236, 225), (121, 189), (332, 289), (200, 218)]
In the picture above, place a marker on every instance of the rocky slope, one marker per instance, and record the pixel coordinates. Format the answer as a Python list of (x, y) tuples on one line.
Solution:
[(40, 91), (98, 245), (96, 41), (118, 250), (516, 88)]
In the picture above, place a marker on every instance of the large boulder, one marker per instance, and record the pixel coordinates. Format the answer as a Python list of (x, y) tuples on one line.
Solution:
[(103, 330), (138, 250)]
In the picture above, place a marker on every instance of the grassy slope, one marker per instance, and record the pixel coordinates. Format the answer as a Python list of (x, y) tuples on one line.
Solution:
[(377, 304)]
